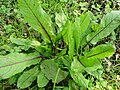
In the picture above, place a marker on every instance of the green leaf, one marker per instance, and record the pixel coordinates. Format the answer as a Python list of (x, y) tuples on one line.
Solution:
[(70, 40), (68, 37), (12, 80), (95, 71), (90, 62), (34, 88), (60, 19), (61, 88), (66, 61), (49, 68), (42, 80), (108, 23), (76, 73), (41, 89), (73, 85), (44, 50), (20, 41), (71, 48), (64, 31), (58, 37), (27, 78), (79, 79), (14, 63), (63, 1), (25, 42), (92, 66), (63, 52), (92, 58), (101, 51), (76, 66), (37, 18), (81, 29)]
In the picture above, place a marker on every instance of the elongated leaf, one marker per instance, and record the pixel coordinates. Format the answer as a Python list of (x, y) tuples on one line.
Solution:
[(36, 17), (109, 22), (42, 80), (90, 62), (49, 68), (81, 29), (71, 48), (24, 42), (13, 79), (91, 58), (27, 78), (76, 73), (101, 51), (14, 63), (60, 20), (65, 32), (68, 37), (79, 79), (20, 41), (76, 66)]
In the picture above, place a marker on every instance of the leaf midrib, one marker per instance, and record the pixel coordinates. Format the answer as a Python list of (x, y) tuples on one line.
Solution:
[(99, 32), (20, 62), (40, 24), (98, 53), (22, 84)]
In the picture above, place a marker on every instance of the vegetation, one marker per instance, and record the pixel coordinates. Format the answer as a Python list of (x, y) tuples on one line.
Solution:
[(60, 45)]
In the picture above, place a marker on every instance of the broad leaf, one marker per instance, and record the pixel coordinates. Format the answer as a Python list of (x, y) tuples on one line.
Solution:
[(100, 51), (36, 17), (91, 58), (42, 80), (108, 23), (79, 79), (49, 68), (76, 66), (28, 77), (76, 73), (90, 62), (95, 71), (92, 66), (81, 29), (14, 63)]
